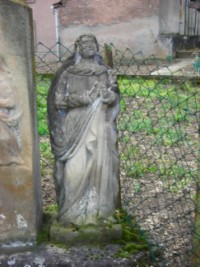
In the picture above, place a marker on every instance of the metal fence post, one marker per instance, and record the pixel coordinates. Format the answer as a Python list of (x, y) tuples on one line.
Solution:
[(108, 55)]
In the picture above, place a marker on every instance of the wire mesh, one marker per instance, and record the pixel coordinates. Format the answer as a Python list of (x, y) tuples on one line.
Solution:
[(158, 137)]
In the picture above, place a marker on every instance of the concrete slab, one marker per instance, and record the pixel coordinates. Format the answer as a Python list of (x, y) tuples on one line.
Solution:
[(173, 69)]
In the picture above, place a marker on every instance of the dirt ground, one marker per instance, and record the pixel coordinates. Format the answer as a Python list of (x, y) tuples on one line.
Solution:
[(167, 216)]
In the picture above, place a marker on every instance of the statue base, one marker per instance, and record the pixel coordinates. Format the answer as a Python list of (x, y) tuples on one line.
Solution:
[(86, 234)]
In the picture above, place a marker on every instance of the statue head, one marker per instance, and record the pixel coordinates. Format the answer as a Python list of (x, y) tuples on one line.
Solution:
[(87, 46)]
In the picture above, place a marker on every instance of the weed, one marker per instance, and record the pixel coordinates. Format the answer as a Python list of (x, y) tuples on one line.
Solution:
[(134, 240), (170, 137)]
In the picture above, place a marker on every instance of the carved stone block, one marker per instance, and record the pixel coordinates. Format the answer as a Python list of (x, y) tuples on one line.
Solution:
[(20, 191)]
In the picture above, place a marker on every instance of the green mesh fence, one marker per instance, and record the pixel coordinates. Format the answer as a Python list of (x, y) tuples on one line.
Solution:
[(158, 138)]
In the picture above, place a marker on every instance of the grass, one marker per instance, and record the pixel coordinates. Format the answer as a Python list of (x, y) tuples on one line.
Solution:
[(134, 240), (43, 84), (46, 156)]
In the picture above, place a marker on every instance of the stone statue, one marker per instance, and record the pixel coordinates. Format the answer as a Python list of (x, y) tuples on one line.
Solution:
[(10, 117), (83, 104)]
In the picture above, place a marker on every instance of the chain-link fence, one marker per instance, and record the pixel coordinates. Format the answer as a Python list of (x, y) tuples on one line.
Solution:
[(158, 137)]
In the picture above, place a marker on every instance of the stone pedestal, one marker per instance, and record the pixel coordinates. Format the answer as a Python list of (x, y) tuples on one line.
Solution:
[(86, 234), (20, 190)]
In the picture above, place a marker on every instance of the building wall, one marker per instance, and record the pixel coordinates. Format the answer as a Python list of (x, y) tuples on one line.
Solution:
[(171, 20), (93, 12), (44, 23), (133, 24), (141, 25)]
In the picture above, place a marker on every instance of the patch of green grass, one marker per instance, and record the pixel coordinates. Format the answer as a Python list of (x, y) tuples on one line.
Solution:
[(122, 105), (125, 139), (44, 234), (179, 185), (174, 91), (139, 167), (137, 122), (49, 213), (135, 168), (137, 87), (135, 164), (45, 148), (47, 158), (174, 176), (180, 116), (43, 84), (170, 137), (51, 210), (134, 240)]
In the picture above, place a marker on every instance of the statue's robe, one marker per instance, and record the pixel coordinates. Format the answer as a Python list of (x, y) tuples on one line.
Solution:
[(84, 142)]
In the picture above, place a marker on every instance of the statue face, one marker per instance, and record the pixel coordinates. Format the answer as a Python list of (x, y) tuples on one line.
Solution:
[(88, 48)]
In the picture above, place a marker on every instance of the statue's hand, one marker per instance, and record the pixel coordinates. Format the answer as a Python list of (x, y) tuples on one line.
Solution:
[(114, 87), (94, 95), (109, 98)]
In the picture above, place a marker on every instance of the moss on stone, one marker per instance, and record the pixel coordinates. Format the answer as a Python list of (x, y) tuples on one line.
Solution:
[(51, 209), (43, 235), (49, 214), (134, 240), (86, 234)]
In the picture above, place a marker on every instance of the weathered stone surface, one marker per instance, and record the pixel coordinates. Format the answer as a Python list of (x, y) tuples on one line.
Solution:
[(81, 256), (83, 104), (89, 234), (20, 198)]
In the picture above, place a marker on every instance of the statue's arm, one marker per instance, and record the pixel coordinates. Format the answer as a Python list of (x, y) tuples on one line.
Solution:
[(66, 97), (73, 100), (110, 98), (78, 100), (110, 95)]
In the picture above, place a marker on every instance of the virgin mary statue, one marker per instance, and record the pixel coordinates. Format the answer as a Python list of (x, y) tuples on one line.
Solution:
[(83, 103)]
